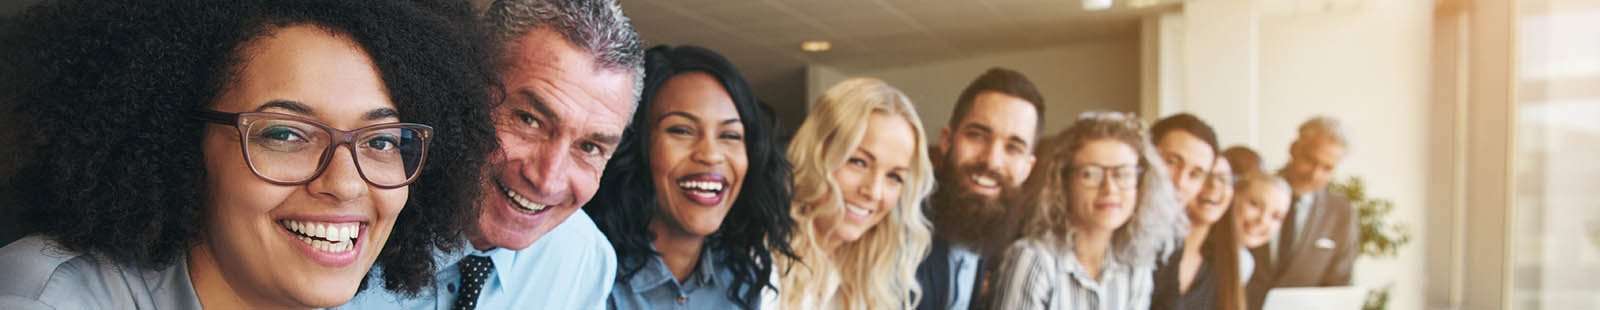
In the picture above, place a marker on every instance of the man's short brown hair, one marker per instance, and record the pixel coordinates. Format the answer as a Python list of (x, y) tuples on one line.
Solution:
[(1005, 81)]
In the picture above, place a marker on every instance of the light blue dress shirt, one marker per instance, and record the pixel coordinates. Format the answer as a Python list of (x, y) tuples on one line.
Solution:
[(36, 273), (572, 267), (654, 287), (964, 264)]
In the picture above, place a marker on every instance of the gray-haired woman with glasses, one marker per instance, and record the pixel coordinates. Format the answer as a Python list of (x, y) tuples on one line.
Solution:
[(1097, 214), (241, 155)]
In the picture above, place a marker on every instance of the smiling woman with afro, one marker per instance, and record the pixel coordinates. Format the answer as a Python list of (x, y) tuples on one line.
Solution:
[(151, 148)]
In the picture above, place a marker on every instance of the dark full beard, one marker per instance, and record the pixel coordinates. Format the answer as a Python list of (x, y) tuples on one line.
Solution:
[(970, 219)]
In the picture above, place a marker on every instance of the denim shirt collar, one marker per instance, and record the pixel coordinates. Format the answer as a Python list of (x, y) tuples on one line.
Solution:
[(655, 272)]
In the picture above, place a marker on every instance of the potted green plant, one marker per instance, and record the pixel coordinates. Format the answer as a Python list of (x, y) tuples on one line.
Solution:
[(1380, 238)]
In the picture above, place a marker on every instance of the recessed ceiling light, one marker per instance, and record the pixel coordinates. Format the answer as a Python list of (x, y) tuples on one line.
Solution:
[(1096, 5), (815, 46)]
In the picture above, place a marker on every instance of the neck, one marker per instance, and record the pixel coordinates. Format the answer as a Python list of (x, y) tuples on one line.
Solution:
[(478, 241), (680, 251), (830, 244), (1196, 238), (1090, 245), (211, 287)]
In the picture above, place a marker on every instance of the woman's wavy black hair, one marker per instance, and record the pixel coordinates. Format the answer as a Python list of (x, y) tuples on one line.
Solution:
[(110, 163), (757, 224)]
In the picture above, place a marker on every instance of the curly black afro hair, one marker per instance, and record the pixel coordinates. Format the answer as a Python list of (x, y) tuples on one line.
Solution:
[(104, 159), (757, 224)]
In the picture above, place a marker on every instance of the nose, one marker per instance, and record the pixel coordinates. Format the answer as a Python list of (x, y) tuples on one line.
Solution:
[(1110, 186), (546, 170), (706, 152), (340, 180), (872, 191), (994, 157)]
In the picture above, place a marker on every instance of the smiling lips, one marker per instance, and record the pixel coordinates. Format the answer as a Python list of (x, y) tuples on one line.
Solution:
[(522, 203), (857, 212), (703, 188), (326, 237)]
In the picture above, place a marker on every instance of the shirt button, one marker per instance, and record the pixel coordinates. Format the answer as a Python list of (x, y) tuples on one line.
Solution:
[(682, 299), (452, 287)]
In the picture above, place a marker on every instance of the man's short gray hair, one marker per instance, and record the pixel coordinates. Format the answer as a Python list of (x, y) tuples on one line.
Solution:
[(1323, 126), (595, 26)]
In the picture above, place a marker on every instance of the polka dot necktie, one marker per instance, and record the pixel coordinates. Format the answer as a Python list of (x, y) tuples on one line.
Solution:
[(474, 270)]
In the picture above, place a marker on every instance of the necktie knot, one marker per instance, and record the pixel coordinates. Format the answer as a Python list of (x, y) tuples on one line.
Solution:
[(474, 271)]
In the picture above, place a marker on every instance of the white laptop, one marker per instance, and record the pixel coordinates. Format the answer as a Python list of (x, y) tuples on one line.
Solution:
[(1315, 298)]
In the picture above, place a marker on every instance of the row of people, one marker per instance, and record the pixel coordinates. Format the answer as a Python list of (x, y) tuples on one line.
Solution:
[(546, 160)]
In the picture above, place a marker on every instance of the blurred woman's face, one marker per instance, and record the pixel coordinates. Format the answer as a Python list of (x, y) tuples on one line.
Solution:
[(1215, 197), (697, 154), (872, 177), (1104, 179), (302, 245), (1262, 207)]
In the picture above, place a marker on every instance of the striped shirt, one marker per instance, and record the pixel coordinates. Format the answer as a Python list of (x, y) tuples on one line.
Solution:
[(1044, 273)]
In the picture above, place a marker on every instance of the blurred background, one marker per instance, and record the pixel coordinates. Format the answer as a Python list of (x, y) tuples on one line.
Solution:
[(1478, 119)]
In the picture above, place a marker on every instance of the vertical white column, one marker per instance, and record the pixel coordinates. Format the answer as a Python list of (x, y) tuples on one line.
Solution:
[(1220, 68)]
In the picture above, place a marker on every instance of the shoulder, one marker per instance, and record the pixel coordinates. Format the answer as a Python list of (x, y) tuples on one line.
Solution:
[(1335, 200), (578, 232), (1032, 252), (40, 274)]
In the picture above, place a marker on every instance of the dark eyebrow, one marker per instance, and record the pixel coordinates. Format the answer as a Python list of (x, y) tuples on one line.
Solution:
[(380, 113), (292, 106), (978, 126), (691, 117), (1019, 140), (538, 105), (730, 121)]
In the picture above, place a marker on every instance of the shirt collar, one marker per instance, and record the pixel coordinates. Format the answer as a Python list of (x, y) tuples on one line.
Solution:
[(1109, 267), (504, 259), (655, 272)]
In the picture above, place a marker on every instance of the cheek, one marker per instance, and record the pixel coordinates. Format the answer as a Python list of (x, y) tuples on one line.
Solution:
[(584, 183), (662, 159), (389, 202), (233, 190), (740, 162), (846, 179)]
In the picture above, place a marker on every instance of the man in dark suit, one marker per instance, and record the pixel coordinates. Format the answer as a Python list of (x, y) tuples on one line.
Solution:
[(985, 153), (1318, 243)]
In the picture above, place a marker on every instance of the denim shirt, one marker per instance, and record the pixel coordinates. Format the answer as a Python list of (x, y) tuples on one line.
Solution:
[(654, 287)]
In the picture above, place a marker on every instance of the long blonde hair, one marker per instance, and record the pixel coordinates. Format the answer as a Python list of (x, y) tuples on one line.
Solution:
[(877, 271)]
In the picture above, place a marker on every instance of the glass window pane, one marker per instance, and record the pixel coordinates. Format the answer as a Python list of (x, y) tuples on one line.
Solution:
[(1556, 234)]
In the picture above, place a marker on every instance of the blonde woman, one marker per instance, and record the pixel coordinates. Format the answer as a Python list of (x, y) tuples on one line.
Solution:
[(861, 171), (1098, 213)]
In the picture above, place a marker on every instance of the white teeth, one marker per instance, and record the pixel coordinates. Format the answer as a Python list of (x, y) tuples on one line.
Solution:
[(701, 185), (522, 203), (983, 181), (857, 211), (326, 237)]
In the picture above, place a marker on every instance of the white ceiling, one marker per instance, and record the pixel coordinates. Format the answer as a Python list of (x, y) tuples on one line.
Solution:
[(763, 37)]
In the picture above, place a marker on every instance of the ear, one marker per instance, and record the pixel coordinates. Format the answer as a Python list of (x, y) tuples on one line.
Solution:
[(1026, 172), (944, 140)]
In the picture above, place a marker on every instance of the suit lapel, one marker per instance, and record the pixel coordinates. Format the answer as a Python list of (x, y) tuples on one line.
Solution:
[(1305, 244)]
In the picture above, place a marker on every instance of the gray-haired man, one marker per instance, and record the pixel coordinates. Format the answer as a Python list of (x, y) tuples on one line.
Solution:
[(572, 71)]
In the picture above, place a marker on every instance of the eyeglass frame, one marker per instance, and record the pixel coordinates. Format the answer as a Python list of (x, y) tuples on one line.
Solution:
[(1105, 178), (337, 137)]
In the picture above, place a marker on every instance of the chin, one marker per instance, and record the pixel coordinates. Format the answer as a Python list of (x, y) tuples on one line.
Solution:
[(327, 293)]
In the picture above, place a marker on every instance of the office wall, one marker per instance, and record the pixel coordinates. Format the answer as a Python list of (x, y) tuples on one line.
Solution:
[(1098, 74), (1370, 68)]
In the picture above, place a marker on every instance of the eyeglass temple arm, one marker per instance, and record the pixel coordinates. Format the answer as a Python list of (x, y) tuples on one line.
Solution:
[(216, 117)]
